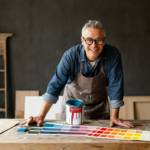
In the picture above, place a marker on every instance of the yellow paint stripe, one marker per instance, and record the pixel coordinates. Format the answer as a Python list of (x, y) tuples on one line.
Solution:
[(135, 138), (137, 134), (127, 138)]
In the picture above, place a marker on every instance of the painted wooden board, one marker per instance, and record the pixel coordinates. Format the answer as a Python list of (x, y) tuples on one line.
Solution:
[(33, 105), (16, 141), (6, 124), (20, 102), (90, 131)]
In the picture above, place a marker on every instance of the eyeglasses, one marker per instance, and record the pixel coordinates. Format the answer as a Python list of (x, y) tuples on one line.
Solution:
[(89, 41)]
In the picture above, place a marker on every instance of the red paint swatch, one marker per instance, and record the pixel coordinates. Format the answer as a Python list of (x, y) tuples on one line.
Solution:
[(106, 133), (100, 132), (104, 129), (103, 135), (90, 134), (94, 131), (96, 135)]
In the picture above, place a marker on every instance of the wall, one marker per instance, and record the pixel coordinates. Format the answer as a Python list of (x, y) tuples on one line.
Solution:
[(44, 30)]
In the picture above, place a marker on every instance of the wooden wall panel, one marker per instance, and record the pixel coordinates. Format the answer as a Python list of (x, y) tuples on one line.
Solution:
[(20, 102), (135, 108)]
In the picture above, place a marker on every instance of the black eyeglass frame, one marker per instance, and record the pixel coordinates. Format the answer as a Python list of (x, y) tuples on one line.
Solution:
[(93, 40)]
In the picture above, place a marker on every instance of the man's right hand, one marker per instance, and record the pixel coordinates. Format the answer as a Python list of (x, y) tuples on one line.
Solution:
[(38, 119)]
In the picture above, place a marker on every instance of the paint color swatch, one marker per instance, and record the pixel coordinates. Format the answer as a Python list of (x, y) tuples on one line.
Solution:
[(90, 131), (120, 134), (51, 128)]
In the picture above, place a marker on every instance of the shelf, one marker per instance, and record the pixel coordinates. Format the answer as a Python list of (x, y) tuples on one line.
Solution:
[(2, 89), (2, 109), (2, 70)]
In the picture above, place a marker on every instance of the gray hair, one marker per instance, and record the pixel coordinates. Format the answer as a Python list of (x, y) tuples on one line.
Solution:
[(93, 24)]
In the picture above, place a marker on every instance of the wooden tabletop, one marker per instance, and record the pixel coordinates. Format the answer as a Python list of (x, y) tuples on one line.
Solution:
[(13, 140)]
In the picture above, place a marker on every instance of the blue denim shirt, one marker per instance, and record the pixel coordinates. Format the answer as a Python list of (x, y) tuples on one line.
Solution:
[(69, 66)]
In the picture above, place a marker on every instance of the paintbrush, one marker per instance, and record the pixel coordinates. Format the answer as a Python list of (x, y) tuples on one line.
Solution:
[(25, 126)]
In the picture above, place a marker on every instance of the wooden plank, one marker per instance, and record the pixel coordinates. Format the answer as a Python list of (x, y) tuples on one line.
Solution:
[(19, 114), (20, 100), (7, 124), (2, 109), (3, 37), (2, 89), (134, 108), (16, 141)]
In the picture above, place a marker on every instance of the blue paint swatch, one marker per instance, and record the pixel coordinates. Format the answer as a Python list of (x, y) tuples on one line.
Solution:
[(42, 132), (53, 125), (22, 129), (51, 129)]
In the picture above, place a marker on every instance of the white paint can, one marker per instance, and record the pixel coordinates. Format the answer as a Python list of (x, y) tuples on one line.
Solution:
[(74, 112)]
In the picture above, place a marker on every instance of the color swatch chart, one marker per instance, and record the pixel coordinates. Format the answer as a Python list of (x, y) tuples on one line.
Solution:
[(48, 128), (90, 131), (120, 134)]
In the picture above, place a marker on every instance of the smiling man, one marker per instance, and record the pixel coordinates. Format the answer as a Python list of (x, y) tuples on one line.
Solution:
[(85, 71)]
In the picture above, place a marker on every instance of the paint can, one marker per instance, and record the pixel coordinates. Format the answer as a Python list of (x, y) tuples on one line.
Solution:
[(74, 112)]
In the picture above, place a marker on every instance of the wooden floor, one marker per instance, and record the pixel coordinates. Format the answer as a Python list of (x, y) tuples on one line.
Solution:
[(13, 140)]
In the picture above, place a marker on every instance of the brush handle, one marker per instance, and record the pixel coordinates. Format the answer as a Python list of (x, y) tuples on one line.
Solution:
[(27, 123)]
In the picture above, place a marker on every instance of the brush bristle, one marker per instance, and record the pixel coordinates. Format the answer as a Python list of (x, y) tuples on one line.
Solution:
[(23, 129)]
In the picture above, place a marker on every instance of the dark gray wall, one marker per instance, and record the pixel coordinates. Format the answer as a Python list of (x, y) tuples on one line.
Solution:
[(44, 30)]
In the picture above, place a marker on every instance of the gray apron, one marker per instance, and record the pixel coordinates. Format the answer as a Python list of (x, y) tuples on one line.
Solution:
[(92, 91)]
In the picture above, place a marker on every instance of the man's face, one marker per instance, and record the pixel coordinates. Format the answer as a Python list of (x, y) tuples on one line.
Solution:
[(93, 50)]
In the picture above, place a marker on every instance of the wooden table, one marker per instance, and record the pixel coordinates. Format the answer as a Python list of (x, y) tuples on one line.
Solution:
[(13, 140)]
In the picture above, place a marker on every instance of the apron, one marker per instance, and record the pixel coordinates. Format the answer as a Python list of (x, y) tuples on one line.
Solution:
[(92, 91)]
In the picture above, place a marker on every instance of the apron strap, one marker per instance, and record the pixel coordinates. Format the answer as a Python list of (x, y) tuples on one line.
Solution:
[(81, 66), (101, 65)]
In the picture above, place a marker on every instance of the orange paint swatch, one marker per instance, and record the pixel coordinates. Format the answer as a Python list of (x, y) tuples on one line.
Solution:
[(124, 130), (111, 136), (117, 130), (110, 129), (131, 131), (119, 137), (121, 133), (103, 135), (106, 133), (114, 133)]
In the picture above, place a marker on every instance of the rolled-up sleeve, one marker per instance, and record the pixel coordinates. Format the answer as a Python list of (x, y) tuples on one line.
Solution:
[(58, 81), (116, 86)]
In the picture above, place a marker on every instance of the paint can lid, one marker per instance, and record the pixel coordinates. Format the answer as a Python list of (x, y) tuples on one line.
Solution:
[(75, 103)]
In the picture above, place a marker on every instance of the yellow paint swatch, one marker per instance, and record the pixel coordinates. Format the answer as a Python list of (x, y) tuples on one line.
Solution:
[(137, 134), (129, 134), (114, 133), (135, 138), (127, 138), (117, 130), (131, 131), (118, 137), (121, 133)]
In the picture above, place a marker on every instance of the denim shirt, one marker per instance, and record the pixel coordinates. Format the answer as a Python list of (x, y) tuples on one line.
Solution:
[(69, 66)]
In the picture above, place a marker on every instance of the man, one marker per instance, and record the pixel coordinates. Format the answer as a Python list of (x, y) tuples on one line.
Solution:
[(85, 70)]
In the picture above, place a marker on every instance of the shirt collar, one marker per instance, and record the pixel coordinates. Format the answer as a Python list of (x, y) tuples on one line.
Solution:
[(101, 56)]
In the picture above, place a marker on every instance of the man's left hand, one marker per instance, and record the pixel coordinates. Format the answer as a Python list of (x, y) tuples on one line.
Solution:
[(117, 121)]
